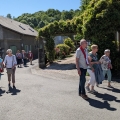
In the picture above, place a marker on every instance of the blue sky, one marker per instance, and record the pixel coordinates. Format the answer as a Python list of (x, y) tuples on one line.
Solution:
[(18, 7)]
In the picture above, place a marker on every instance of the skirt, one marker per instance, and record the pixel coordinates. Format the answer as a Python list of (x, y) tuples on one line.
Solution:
[(19, 61)]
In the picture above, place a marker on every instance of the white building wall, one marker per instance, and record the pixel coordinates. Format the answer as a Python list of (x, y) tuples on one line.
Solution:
[(59, 39)]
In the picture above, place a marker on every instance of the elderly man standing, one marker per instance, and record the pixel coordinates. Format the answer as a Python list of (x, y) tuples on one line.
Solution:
[(81, 65)]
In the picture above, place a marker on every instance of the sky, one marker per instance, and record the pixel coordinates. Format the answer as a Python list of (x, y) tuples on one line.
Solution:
[(18, 7)]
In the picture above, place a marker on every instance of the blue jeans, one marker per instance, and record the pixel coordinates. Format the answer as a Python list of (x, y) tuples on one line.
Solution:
[(109, 75), (82, 81)]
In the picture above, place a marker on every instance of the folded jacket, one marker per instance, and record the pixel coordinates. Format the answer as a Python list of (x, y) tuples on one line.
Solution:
[(99, 74)]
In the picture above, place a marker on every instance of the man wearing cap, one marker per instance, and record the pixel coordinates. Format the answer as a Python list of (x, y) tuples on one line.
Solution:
[(106, 65), (81, 65)]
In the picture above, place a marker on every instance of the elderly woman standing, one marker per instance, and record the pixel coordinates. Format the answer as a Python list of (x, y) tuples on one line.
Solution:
[(106, 65), (24, 57), (93, 60), (19, 58), (10, 63)]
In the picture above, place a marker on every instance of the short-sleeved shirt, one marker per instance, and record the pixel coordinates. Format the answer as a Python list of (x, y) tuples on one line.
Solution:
[(10, 61), (94, 59), (105, 62), (82, 60)]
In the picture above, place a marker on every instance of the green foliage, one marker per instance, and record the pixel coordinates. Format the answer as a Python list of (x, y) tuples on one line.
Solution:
[(63, 49), (78, 37), (43, 18), (70, 43), (101, 20), (98, 22), (9, 16), (23, 21), (50, 49)]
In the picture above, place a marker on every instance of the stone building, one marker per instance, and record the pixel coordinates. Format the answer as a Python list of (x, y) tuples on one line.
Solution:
[(16, 36)]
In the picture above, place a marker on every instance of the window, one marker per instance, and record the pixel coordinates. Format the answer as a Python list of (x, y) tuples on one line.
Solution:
[(26, 48), (14, 49), (31, 30), (21, 27)]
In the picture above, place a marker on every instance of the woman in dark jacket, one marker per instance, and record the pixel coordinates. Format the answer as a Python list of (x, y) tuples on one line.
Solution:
[(19, 58)]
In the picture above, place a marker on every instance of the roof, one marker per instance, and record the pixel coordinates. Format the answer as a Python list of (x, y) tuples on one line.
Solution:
[(17, 26)]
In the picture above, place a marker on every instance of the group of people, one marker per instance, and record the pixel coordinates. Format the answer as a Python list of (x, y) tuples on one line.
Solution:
[(96, 68), (11, 61), (22, 57)]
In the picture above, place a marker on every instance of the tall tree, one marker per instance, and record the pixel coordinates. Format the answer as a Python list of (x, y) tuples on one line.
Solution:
[(9, 16), (84, 3)]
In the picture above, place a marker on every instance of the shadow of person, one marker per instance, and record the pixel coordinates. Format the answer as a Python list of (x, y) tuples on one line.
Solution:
[(26, 66), (100, 105), (57, 66), (112, 89), (107, 97), (14, 91), (1, 92)]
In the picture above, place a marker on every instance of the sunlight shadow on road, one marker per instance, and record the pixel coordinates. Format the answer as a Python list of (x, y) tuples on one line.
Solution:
[(100, 105), (13, 91), (112, 89), (1, 92)]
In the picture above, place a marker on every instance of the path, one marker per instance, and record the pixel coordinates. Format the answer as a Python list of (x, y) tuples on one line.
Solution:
[(46, 95)]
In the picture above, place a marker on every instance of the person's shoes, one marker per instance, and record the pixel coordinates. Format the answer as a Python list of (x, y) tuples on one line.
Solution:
[(87, 88), (97, 85), (85, 97), (93, 91), (110, 86), (14, 87), (18, 66)]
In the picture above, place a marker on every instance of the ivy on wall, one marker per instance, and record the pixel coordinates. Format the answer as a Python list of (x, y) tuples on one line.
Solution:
[(98, 23)]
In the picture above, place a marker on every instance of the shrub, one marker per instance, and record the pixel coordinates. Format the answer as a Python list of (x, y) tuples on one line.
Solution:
[(64, 50), (70, 43)]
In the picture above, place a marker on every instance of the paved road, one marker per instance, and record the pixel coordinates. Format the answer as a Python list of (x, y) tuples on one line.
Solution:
[(48, 96)]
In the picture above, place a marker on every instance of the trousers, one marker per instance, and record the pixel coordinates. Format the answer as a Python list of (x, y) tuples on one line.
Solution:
[(92, 80), (109, 75), (82, 81), (13, 76)]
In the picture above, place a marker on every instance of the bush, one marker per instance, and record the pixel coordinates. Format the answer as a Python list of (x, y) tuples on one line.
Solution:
[(70, 43), (64, 50)]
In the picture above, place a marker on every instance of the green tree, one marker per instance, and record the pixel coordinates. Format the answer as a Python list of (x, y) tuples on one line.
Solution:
[(9, 16), (41, 24), (66, 15), (70, 43), (24, 21)]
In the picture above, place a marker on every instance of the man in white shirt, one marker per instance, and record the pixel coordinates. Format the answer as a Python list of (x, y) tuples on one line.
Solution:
[(81, 65)]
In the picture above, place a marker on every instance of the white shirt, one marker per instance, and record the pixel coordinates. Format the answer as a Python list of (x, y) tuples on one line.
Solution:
[(10, 61), (82, 60)]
